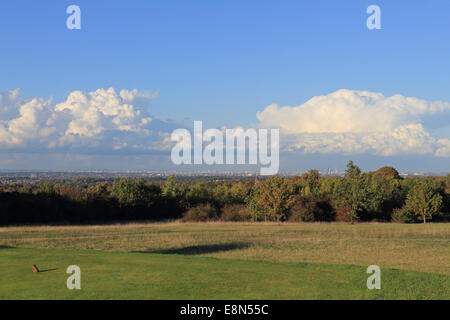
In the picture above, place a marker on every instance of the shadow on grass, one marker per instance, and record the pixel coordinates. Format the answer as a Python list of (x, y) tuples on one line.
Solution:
[(201, 249), (5, 247), (47, 270)]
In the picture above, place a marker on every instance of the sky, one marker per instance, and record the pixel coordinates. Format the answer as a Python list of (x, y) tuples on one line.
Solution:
[(109, 95)]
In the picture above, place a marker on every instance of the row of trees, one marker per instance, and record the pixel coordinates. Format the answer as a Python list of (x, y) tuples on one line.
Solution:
[(381, 195)]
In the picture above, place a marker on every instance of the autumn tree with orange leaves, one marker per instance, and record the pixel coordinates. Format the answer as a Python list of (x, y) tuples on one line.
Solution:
[(271, 199)]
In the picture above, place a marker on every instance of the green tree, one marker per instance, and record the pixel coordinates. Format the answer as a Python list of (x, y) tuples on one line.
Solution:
[(199, 192), (98, 191), (239, 192), (130, 192), (424, 199), (387, 172), (359, 193), (46, 188), (309, 184), (352, 170), (350, 191), (172, 189)]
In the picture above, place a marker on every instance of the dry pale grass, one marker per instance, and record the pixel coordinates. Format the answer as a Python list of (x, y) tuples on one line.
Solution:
[(410, 247)]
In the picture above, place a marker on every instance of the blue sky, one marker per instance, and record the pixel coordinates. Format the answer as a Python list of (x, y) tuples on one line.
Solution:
[(224, 61)]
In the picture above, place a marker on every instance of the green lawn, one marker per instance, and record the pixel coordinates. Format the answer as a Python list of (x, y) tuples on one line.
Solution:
[(125, 275), (414, 247), (226, 261)]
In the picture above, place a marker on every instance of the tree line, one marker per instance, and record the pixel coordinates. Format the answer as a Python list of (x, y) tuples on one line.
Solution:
[(382, 195)]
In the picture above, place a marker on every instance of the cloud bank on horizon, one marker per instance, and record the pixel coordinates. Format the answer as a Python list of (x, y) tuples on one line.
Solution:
[(100, 120), (356, 122), (343, 122)]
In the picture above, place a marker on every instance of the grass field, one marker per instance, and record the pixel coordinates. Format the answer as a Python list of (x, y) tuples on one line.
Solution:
[(227, 261)]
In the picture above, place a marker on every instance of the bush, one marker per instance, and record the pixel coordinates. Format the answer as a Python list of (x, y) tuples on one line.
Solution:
[(445, 215), (309, 209), (403, 216), (345, 215), (235, 213), (302, 209), (201, 213)]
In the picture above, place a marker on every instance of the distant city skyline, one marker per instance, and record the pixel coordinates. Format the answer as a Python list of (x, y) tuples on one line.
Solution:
[(109, 95)]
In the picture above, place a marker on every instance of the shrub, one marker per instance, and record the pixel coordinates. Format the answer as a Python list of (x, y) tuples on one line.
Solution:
[(201, 213), (309, 209), (403, 216), (326, 211), (446, 207), (235, 213), (303, 209), (345, 214)]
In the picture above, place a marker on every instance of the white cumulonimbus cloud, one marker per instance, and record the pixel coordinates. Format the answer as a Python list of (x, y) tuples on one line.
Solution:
[(21, 121), (351, 121), (103, 118), (343, 122)]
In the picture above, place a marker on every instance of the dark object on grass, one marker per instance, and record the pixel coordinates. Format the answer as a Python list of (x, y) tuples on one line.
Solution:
[(35, 268)]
